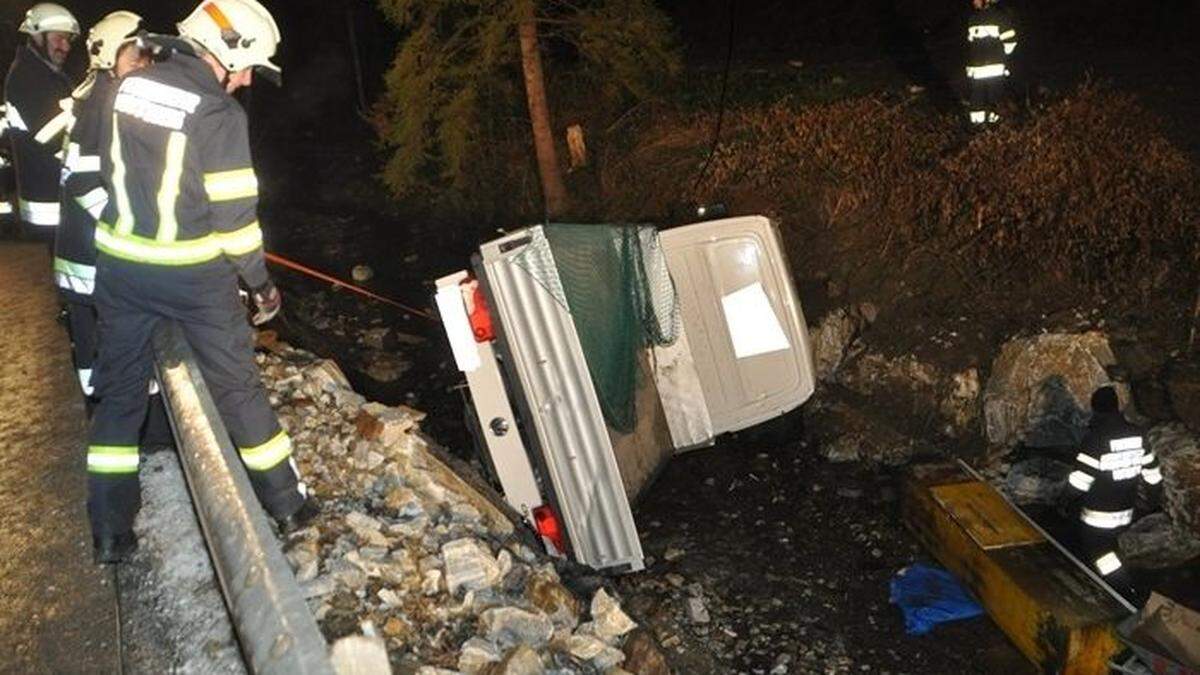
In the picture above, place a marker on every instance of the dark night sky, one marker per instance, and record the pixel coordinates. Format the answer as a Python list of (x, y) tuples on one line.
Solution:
[(320, 78)]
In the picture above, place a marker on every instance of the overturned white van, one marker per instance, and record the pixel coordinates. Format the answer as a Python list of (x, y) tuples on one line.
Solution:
[(592, 354)]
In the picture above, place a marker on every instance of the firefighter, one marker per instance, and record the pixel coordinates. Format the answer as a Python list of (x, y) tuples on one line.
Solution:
[(991, 39), (1112, 467), (178, 231), (113, 53), (34, 94)]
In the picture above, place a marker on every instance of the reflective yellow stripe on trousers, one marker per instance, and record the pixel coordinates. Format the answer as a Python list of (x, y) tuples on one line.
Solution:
[(268, 455), (110, 459)]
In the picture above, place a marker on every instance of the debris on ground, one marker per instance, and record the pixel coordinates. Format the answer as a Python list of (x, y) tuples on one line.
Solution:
[(405, 549)]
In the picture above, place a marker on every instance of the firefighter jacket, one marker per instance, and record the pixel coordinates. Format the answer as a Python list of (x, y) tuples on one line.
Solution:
[(83, 192), (990, 39), (175, 159), (33, 92), (1112, 460)]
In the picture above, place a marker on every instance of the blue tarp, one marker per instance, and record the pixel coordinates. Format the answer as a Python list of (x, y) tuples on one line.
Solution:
[(930, 595)]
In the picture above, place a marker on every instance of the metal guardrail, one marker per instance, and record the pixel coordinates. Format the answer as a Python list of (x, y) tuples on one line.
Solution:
[(277, 631)]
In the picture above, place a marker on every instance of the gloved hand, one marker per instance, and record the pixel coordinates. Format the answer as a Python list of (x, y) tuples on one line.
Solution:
[(267, 301)]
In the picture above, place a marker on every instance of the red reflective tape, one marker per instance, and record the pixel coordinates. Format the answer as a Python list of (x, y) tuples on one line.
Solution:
[(316, 274)]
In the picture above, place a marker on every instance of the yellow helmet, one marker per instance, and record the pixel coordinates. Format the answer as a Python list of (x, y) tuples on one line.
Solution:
[(107, 37), (239, 33), (47, 17)]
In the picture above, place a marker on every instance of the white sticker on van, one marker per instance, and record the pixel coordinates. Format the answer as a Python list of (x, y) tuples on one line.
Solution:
[(753, 325), (458, 327)]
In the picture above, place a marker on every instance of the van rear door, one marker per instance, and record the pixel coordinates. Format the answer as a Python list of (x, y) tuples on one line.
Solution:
[(744, 322)]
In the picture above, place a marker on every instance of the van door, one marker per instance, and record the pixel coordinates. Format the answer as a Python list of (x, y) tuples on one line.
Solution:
[(744, 322)]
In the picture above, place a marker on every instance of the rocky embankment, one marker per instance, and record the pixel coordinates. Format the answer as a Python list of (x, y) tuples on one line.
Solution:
[(416, 566)]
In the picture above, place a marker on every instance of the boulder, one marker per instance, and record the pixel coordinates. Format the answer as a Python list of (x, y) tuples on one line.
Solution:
[(1037, 481), (508, 626), (643, 656), (469, 565), (1154, 542), (831, 339), (609, 621), (1040, 388), (546, 593), (326, 376), (476, 655), (360, 655), (1178, 451), (520, 661)]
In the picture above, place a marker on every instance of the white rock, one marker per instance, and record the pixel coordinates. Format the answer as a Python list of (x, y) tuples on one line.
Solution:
[(431, 582), (520, 661), (360, 655), (507, 626), (608, 619), (696, 610), (469, 565), (389, 597), (326, 375), (319, 587), (589, 648), (356, 520), (476, 654)]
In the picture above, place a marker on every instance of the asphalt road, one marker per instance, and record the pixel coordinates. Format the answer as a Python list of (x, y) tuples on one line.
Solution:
[(57, 610)]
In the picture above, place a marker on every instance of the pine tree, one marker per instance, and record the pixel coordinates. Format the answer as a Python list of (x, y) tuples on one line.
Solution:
[(462, 94)]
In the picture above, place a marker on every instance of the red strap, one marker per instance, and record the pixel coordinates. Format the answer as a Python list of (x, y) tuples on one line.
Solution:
[(280, 260)]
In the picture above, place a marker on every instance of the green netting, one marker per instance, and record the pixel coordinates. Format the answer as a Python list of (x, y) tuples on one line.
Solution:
[(614, 281)]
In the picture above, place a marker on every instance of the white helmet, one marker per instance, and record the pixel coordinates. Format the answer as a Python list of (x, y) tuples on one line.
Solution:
[(47, 17), (239, 33), (107, 37)]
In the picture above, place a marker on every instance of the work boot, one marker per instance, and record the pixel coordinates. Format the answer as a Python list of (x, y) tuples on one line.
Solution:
[(109, 550), (299, 518)]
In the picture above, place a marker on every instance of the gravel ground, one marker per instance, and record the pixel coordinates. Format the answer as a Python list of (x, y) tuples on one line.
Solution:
[(770, 560), (173, 617)]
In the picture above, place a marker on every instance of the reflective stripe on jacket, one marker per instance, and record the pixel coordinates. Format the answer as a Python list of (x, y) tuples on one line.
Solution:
[(175, 157), (1111, 461), (32, 92)]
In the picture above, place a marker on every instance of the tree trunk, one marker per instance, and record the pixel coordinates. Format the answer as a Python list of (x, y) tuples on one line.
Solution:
[(554, 191)]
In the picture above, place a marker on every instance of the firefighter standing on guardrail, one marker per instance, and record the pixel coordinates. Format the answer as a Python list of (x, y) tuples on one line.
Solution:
[(179, 229), (1112, 464), (991, 39), (34, 92)]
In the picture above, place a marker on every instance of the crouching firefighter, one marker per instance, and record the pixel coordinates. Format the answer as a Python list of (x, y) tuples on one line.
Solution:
[(34, 92), (113, 54), (1113, 462), (178, 231), (991, 39)]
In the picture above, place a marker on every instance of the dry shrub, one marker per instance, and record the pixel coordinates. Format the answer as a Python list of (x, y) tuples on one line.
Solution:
[(1088, 187)]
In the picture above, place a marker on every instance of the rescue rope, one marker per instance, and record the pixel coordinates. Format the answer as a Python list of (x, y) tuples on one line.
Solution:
[(316, 274)]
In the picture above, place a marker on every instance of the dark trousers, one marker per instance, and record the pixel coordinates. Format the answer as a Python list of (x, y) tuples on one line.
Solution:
[(83, 331), (986, 96), (1100, 552), (131, 299)]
